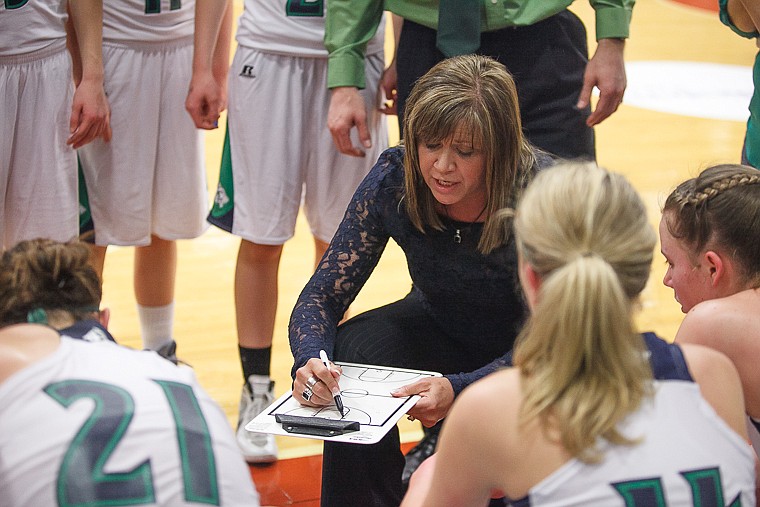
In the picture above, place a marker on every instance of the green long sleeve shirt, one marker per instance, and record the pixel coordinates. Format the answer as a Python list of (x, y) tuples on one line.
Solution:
[(350, 24)]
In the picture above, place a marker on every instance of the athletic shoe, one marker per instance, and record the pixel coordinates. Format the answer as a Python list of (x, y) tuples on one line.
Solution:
[(258, 394), (168, 351)]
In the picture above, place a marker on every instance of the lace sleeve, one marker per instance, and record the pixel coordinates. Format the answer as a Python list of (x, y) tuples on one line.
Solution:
[(348, 262), (461, 380)]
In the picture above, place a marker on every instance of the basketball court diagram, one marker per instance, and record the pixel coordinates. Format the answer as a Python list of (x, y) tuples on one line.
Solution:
[(366, 393)]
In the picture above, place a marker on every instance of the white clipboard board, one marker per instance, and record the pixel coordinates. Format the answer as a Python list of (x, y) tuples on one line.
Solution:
[(370, 409)]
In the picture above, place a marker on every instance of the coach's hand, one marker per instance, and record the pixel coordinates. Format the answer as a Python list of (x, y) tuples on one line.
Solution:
[(319, 383), (436, 398)]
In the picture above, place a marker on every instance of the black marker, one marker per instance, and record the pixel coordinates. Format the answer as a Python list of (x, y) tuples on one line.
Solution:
[(338, 400)]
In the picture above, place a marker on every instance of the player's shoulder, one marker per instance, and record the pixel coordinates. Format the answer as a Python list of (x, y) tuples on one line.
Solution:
[(707, 362), (495, 393), (24, 344), (709, 322)]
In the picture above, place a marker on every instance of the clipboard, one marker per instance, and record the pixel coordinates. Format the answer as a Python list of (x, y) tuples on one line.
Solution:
[(371, 411)]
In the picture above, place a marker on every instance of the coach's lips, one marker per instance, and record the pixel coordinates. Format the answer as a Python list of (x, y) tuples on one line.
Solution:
[(444, 186)]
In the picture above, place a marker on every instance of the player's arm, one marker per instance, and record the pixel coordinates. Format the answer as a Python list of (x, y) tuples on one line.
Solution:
[(72, 45), (90, 113), (721, 325), (221, 59), (473, 453), (206, 97), (719, 383)]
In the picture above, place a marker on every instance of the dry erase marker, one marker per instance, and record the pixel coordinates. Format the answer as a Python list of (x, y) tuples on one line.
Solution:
[(338, 400)]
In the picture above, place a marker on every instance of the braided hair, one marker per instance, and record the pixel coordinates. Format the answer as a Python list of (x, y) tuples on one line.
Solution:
[(42, 275), (720, 210)]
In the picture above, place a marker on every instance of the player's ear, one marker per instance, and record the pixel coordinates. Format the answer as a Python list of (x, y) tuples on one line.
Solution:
[(104, 317), (716, 266), (530, 281)]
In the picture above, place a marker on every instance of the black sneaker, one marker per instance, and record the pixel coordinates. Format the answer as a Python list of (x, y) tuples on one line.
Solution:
[(420, 452), (169, 351)]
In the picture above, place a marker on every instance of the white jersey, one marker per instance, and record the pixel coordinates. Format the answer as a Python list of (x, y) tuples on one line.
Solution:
[(31, 25), (709, 463), (291, 27), (130, 21), (100, 424)]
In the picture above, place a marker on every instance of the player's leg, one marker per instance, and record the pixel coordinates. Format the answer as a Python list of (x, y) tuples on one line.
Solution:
[(332, 178), (120, 181), (320, 247), (154, 278), (255, 311), (256, 288), (179, 201), (258, 199), (254, 351), (98, 258), (117, 184)]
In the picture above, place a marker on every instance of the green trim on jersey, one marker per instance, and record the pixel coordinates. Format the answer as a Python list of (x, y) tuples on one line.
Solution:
[(85, 216), (224, 200)]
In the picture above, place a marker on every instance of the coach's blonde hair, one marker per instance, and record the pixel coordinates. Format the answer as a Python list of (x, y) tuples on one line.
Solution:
[(585, 232), (477, 94)]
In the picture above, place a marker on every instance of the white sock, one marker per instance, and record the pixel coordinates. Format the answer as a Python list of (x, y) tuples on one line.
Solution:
[(156, 325)]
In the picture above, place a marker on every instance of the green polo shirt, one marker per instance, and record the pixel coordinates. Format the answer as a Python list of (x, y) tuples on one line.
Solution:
[(351, 24), (752, 141)]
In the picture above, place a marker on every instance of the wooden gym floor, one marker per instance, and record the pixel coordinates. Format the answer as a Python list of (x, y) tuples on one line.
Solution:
[(654, 149)]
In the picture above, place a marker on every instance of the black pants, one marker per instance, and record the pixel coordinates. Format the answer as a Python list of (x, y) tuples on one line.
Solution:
[(400, 334), (547, 61)]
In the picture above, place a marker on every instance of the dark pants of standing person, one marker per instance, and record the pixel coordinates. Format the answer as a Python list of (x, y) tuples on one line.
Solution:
[(400, 334), (547, 61)]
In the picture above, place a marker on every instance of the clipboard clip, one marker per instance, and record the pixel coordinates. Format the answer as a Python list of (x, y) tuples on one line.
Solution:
[(317, 426)]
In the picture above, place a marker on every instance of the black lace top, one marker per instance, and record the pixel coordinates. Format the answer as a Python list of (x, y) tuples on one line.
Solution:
[(475, 297)]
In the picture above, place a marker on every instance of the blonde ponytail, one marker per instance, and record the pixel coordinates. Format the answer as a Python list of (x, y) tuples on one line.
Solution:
[(584, 231)]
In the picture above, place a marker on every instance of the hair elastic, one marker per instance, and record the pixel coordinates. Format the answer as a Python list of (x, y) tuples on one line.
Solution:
[(37, 316)]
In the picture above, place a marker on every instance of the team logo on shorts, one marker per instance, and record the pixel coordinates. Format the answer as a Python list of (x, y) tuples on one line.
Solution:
[(221, 198), (247, 71)]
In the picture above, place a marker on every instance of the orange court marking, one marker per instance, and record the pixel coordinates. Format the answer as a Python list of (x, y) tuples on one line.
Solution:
[(709, 5)]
